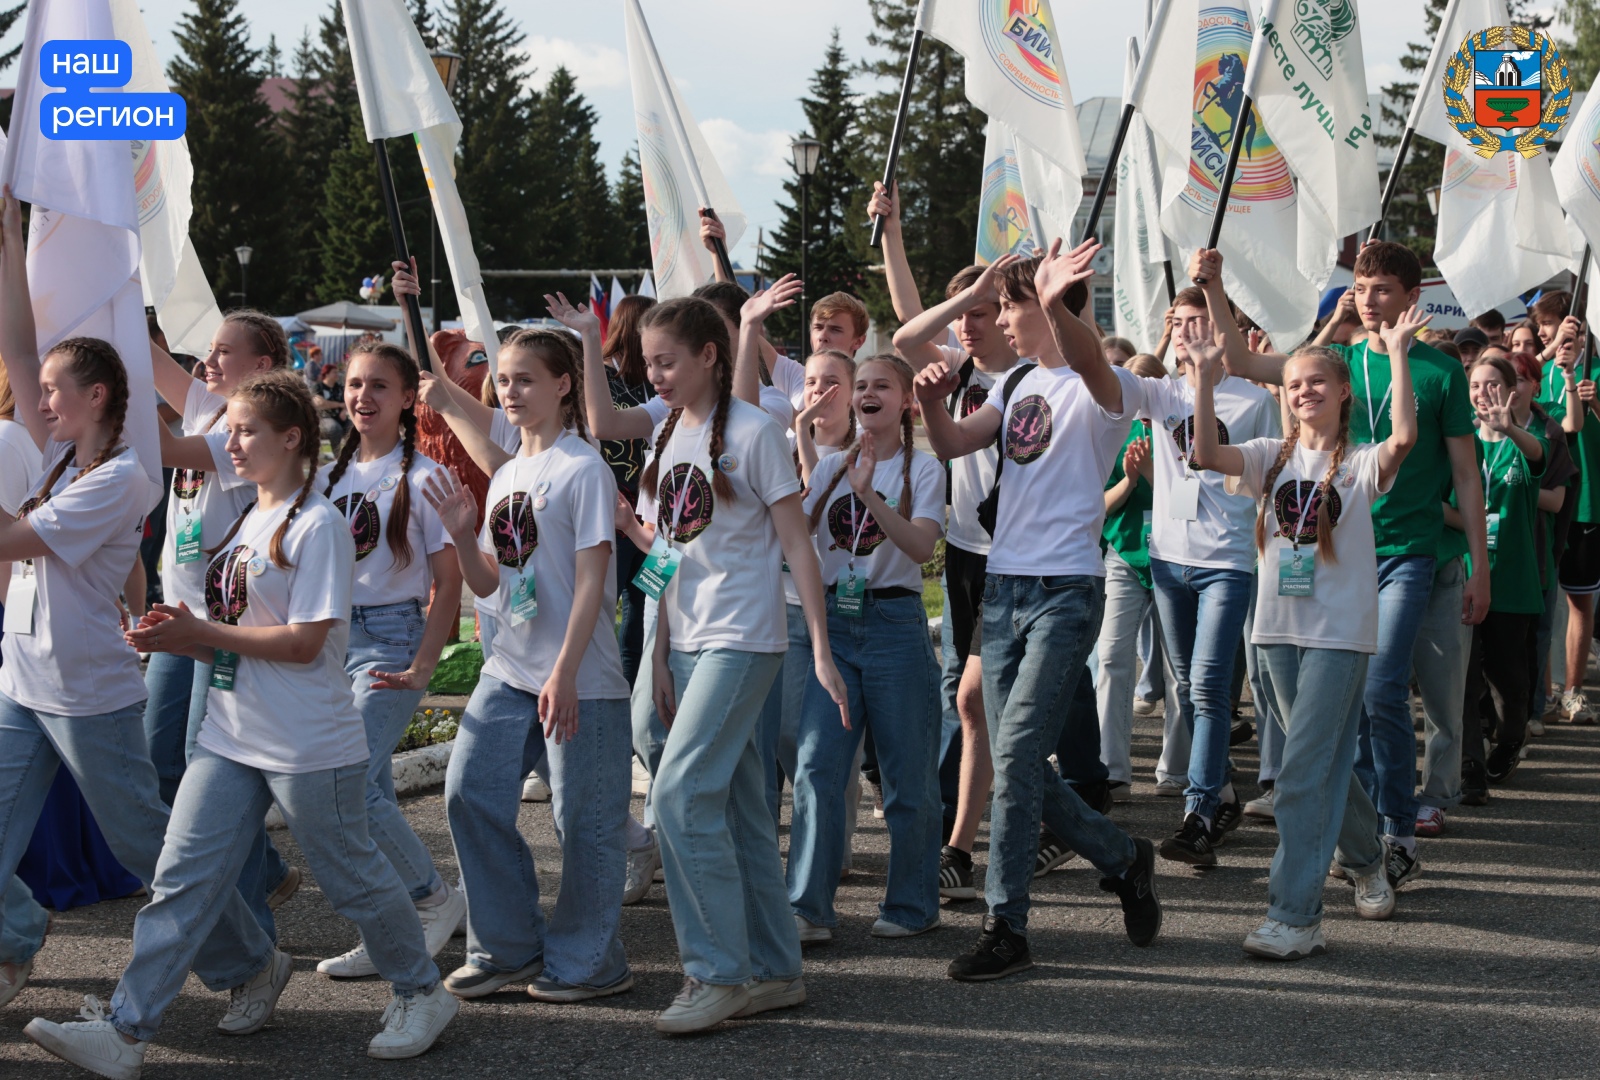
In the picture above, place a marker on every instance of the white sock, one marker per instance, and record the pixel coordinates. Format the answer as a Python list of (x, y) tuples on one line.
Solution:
[(1228, 794), (638, 837), (1407, 842), (1207, 822)]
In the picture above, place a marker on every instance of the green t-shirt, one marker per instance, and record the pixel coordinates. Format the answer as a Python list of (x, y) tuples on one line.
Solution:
[(1408, 520), (1585, 445), (1127, 528), (1511, 491)]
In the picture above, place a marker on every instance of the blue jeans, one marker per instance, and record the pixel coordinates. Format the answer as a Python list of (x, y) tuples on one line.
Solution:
[(590, 778), (886, 661), (1319, 805), (1037, 633), (219, 805), (1387, 760), (1269, 730), (630, 630), (1202, 622), (950, 668), (1539, 686), (719, 846), (108, 758), (784, 701), (386, 639), (1129, 608), (22, 923), (1439, 661), (173, 714)]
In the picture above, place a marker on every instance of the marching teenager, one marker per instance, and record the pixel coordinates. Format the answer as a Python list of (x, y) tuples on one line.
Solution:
[(1316, 617), (281, 727), (1408, 524), (826, 422), (402, 554), (630, 385), (1202, 564), (1514, 455), (875, 510), (205, 499), (722, 491), (1060, 427), (984, 359), (554, 684)]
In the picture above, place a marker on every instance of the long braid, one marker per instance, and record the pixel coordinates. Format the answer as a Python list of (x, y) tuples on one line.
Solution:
[(719, 421), (822, 504), (696, 323), (906, 448), (1324, 518), (276, 549), (398, 531), (281, 400), (91, 361), (648, 479), (1290, 441), (347, 453), (233, 529)]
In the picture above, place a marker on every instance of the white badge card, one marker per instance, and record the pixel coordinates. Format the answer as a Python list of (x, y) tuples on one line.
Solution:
[(658, 568), (524, 601), (19, 599), (1183, 499), (1493, 522)]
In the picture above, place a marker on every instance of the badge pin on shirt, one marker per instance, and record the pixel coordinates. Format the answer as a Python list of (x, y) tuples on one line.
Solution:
[(728, 463), (386, 483), (257, 566)]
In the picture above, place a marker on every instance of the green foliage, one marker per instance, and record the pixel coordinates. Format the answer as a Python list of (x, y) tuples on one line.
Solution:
[(633, 233), (1582, 52), (430, 727)]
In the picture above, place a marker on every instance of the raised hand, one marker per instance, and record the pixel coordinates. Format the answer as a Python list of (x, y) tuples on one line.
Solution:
[(1586, 390), (406, 281), (1567, 354), (985, 286), (711, 231), (1200, 342), (579, 318), (1500, 413), (783, 293), (936, 382), (432, 393), (885, 203), (1571, 329), (457, 509), (1205, 266), (813, 411), (860, 470), (1059, 272), (1397, 339)]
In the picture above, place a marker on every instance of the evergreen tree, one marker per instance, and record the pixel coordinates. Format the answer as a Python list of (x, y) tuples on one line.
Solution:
[(633, 229), (941, 158), (427, 29), (237, 153), (573, 215), (311, 134), (1582, 53), (835, 244), (355, 233), (8, 19), (272, 58)]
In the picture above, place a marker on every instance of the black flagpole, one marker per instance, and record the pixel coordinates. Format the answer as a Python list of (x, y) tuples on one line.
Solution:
[(1105, 177), (899, 132), (413, 309), (1236, 145)]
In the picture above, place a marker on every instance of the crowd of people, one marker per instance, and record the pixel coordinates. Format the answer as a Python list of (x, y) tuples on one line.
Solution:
[(699, 552)]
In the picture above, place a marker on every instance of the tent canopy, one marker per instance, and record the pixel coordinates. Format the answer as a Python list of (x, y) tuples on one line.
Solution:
[(346, 316)]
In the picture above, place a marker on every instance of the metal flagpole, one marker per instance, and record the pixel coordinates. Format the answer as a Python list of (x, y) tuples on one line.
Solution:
[(413, 308), (899, 132)]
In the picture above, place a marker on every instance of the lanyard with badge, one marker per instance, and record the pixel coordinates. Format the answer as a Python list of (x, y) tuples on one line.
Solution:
[(353, 502), (1383, 406), (189, 547), (24, 586), (1490, 464), (851, 591), (225, 664), (662, 562), (1297, 573), (524, 598)]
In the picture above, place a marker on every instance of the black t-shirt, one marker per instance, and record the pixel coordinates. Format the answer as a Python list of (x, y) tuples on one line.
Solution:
[(626, 456)]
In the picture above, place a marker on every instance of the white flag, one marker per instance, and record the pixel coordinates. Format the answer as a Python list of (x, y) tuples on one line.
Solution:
[(618, 294), (679, 172), (1017, 75), (1311, 88), (83, 232), (647, 287), (1008, 223), (401, 94), (1577, 170), (1191, 87), (1138, 247)]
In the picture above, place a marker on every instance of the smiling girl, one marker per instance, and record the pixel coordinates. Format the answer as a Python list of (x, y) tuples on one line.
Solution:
[(872, 547), (402, 552)]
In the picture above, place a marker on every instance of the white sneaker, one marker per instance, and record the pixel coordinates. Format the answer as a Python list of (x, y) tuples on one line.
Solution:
[(769, 994), (411, 1024), (811, 933), (1535, 726), (250, 1005), (355, 964), (885, 929), (13, 977), (1171, 788), (1374, 894), (641, 778), (534, 789), (1575, 708), (1261, 806), (91, 1043), (1141, 707), (642, 867), (440, 914), (701, 1005), (1274, 940)]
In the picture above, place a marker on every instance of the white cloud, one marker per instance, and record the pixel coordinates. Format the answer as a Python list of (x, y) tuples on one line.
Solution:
[(744, 153), (595, 67)]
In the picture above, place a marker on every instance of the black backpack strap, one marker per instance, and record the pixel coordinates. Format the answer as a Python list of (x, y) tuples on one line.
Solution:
[(990, 506), (965, 377)]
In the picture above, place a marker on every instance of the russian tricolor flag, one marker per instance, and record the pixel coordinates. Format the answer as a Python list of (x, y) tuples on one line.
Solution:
[(600, 304)]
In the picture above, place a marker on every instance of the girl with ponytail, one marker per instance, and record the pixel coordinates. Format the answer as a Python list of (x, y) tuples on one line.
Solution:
[(1316, 620), (281, 727), (722, 491), (873, 535), (404, 558)]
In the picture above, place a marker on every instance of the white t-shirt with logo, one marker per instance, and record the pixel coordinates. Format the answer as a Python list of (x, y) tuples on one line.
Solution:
[(726, 592), (775, 402), (579, 492), (217, 498), (847, 525), (279, 716), (971, 475), (1222, 535), (791, 595), (1059, 446), (364, 495), (1342, 611), (76, 662)]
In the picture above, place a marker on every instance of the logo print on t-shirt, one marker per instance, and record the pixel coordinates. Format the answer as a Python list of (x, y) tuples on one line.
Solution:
[(1028, 429), (848, 514), (227, 596), (1183, 434), (186, 483), (364, 523), (510, 517), (685, 494), (626, 458), (1292, 497), (973, 399)]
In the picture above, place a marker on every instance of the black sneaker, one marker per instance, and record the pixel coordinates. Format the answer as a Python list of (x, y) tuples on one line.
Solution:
[(955, 874), (1241, 732), (1191, 844), (1503, 761), (1229, 814), (1401, 865), (1474, 784), (1000, 951), (1141, 909), (1053, 852)]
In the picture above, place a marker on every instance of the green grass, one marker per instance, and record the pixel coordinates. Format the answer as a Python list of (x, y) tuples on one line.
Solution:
[(932, 597)]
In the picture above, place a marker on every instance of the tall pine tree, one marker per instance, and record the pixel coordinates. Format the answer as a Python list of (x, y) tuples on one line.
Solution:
[(633, 228), (573, 214), (836, 202), (1582, 52)]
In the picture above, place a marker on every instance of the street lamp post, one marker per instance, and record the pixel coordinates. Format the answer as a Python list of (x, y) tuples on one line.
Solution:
[(448, 65), (243, 251), (806, 151)]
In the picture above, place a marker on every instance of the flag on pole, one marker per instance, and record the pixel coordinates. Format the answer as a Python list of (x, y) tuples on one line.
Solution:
[(600, 304), (647, 287), (1190, 91), (83, 232), (1500, 225), (1016, 74), (1311, 88), (1577, 170), (1007, 223), (618, 293), (401, 94), (679, 172), (1138, 246)]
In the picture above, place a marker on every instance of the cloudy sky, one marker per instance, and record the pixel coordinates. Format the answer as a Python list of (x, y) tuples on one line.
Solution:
[(743, 65)]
